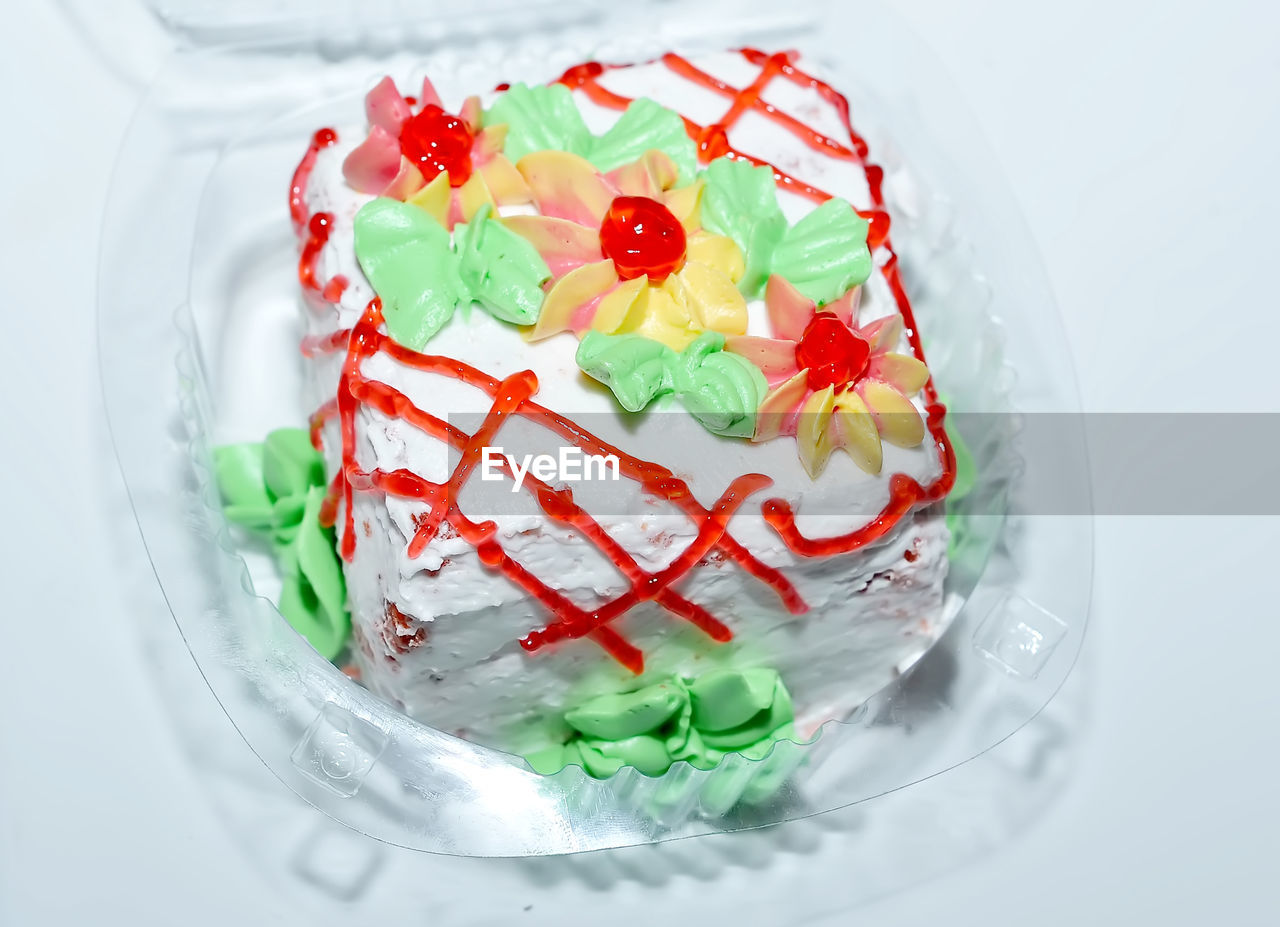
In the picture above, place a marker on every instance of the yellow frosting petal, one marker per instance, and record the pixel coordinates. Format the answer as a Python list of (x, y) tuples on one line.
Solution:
[(566, 186), (856, 432), (813, 438), (897, 419), (434, 198), (779, 403), (718, 251), (686, 205), (888, 332), (712, 301), (564, 245), (570, 293), (664, 315), (904, 373), (489, 142), (471, 112), (620, 310), (474, 194), (653, 173), (505, 182)]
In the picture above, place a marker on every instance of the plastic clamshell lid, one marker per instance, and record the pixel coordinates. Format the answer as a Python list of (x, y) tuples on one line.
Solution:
[(355, 757)]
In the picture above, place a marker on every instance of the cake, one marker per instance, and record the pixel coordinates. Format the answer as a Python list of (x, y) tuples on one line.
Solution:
[(626, 450)]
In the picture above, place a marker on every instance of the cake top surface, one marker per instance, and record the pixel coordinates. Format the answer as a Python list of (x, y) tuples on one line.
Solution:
[(665, 231)]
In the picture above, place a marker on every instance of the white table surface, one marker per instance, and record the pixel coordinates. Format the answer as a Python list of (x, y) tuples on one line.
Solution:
[(1141, 141)]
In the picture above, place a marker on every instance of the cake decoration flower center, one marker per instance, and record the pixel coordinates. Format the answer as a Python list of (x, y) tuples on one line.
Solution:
[(642, 237), (832, 353), (436, 141)]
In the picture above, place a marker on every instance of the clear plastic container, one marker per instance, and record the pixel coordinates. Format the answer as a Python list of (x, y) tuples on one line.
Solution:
[(197, 274)]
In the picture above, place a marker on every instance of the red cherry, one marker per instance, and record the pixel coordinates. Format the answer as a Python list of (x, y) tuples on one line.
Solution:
[(831, 353), (641, 236), (436, 141)]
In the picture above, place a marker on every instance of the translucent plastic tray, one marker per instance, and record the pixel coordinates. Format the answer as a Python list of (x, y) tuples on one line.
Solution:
[(197, 287)]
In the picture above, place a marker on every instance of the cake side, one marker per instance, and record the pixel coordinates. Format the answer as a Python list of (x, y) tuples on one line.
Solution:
[(832, 578)]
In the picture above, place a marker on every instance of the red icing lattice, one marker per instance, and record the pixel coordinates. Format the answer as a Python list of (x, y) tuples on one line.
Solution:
[(512, 396)]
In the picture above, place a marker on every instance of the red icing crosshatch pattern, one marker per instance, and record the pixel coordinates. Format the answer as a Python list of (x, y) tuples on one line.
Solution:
[(513, 396)]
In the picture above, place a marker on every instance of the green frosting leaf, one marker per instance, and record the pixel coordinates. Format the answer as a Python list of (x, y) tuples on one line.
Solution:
[(314, 596), (277, 489), (966, 468), (725, 699), (538, 118), (406, 255), (615, 717), (633, 366), (692, 749), (721, 391), (741, 201), (673, 721), (778, 761), (824, 253), (264, 486), (239, 471), (958, 525), (552, 759), (290, 464), (643, 751), (594, 761), (645, 125), (758, 727), (501, 270)]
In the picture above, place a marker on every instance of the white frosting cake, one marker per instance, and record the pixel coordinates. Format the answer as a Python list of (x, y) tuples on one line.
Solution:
[(837, 600)]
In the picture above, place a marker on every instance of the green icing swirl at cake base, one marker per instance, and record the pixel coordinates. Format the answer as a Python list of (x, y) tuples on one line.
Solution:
[(276, 488), (698, 721)]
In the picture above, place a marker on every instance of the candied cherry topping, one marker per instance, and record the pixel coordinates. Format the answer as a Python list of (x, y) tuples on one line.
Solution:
[(436, 141), (831, 353), (642, 237)]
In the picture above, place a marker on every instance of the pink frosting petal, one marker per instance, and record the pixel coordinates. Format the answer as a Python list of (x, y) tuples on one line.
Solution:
[(566, 186), (564, 245), (488, 142), (846, 307), (777, 412), (634, 179), (882, 334), (385, 106), (429, 95), (775, 358), (789, 310), (407, 181), (374, 163), (471, 113)]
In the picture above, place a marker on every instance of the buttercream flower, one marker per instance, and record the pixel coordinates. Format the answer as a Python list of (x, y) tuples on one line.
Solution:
[(833, 384), (627, 251), (446, 164)]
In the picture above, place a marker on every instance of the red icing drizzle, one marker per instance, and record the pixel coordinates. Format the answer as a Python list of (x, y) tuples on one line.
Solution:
[(512, 396), (318, 226), (302, 175), (713, 141)]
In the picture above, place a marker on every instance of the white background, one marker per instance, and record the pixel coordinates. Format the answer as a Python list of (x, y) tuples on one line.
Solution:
[(1141, 140)]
